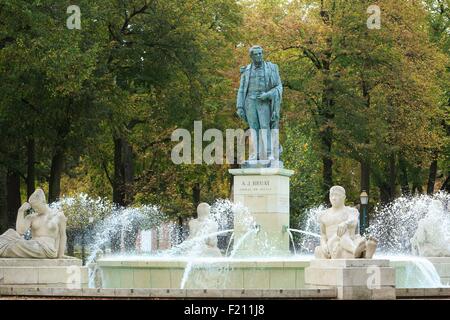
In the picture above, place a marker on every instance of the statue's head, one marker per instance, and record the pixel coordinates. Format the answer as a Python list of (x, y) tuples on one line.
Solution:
[(337, 196), (37, 201), (256, 54), (203, 210)]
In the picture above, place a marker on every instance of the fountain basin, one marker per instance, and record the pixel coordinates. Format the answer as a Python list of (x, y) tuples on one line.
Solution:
[(207, 273), (257, 273), (418, 272)]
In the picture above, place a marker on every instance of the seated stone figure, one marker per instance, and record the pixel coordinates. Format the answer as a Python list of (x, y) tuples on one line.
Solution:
[(48, 231), (340, 237), (432, 237), (201, 228)]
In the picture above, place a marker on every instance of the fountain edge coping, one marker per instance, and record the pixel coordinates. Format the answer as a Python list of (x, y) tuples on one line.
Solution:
[(105, 262)]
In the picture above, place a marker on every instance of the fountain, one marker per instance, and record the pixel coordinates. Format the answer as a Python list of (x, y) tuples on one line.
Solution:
[(187, 265), (261, 235), (255, 228), (241, 268)]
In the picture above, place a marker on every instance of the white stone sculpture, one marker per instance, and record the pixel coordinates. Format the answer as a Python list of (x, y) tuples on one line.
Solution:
[(340, 238), (432, 237), (48, 231), (199, 229)]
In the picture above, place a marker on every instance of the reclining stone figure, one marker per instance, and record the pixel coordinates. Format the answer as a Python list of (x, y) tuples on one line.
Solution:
[(48, 231)]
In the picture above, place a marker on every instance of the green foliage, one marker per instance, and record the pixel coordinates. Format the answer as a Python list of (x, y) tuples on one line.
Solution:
[(138, 69), (300, 156)]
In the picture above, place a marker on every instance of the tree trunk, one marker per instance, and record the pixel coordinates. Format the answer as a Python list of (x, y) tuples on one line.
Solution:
[(392, 176), (403, 177), (118, 193), (122, 181), (128, 170), (385, 194), (326, 137), (123, 172), (326, 132), (446, 185), (196, 197), (3, 203), (55, 176), (13, 197), (416, 189), (387, 186), (327, 176), (31, 172), (365, 176), (432, 177), (180, 230)]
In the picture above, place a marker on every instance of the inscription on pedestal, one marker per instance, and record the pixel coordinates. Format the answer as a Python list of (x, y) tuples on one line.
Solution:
[(255, 185)]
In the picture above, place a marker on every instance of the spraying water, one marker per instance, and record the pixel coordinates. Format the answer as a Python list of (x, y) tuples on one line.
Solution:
[(395, 224), (115, 228), (305, 232), (222, 212), (292, 241), (104, 226), (195, 250), (414, 272)]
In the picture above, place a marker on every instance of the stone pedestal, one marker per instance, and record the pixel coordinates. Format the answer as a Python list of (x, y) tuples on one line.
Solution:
[(68, 273), (354, 279), (265, 192)]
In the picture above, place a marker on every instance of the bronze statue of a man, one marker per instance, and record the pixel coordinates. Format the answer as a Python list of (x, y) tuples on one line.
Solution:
[(258, 103)]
